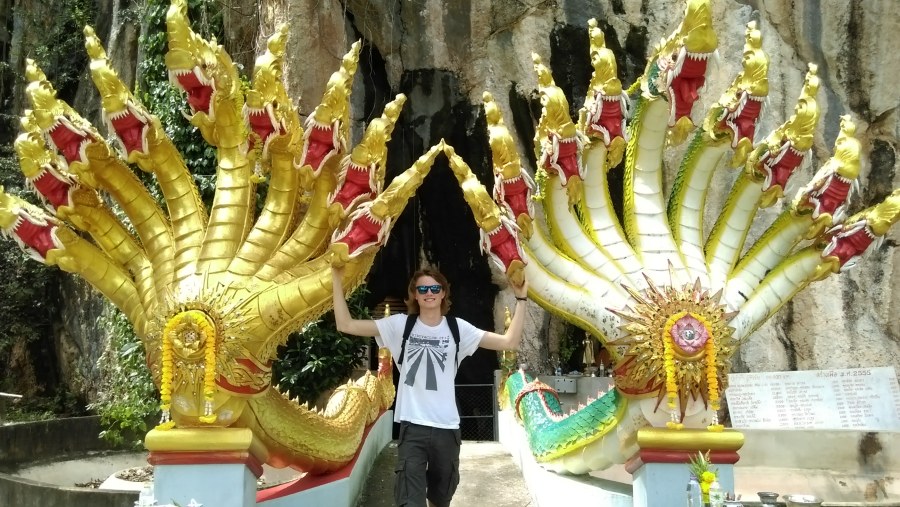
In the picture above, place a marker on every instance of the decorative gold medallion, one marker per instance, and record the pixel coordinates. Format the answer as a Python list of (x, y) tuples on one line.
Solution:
[(678, 343)]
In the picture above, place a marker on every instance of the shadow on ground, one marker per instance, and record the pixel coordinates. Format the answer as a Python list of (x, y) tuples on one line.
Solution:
[(488, 476)]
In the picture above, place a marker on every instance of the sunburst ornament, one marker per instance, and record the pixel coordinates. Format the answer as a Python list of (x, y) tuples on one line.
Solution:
[(677, 344)]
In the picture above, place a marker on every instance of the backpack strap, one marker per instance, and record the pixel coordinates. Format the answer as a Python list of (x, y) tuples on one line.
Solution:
[(410, 323), (454, 330)]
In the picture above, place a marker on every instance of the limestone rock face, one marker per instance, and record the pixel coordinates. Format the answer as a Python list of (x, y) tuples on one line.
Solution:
[(81, 339)]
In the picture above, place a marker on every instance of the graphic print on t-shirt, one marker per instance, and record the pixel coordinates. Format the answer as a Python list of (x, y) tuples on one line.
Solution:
[(433, 351)]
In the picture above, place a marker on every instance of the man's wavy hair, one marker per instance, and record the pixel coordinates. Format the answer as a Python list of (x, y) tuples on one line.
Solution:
[(412, 306)]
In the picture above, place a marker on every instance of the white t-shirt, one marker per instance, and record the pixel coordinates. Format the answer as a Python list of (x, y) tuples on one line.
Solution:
[(426, 390)]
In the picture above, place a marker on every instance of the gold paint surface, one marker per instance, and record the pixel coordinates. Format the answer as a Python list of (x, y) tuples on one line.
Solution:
[(689, 439)]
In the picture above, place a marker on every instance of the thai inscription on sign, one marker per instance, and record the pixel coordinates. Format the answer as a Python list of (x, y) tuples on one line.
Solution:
[(857, 399)]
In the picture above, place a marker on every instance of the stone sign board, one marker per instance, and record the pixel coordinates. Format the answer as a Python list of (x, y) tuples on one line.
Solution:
[(852, 399)]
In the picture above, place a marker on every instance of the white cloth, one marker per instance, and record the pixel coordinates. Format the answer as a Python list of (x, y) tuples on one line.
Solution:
[(426, 390)]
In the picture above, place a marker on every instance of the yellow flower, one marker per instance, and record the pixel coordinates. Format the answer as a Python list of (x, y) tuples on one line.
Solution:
[(712, 374), (195, 324), (669, 360), (166, 425), (672, 425), (708, 477), (699, 466)]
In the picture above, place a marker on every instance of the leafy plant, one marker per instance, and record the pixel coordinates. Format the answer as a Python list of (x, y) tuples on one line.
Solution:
[(60, 48), (127, 397), (570, 346), (700, 467), (320, 358), (28, 297), (165, 100), (62, 403)]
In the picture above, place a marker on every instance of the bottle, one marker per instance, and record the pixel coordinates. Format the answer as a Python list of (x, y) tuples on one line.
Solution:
[(716, 495), (694, 498), (145, 498)]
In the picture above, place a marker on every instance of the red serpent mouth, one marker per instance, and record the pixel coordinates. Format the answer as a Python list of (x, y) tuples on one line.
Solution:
[(779, 167), (503, 244), (848, 243), (363, 231), (515, 194), (53, 186), (198, 88), (69, 140), (607, 118), (684, 81), (264, 124), (320, 143), (830, 197), (35, 235), (742, 120), (131, 128), (356, 186), (562, 158)]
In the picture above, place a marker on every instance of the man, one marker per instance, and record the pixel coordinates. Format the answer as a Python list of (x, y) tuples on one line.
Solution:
[(428, 452)]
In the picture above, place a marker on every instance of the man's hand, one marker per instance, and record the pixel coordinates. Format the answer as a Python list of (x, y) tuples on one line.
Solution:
[(520, 289), (511, 339)]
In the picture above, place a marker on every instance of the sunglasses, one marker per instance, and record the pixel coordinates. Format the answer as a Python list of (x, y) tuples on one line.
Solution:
[(423, 289)]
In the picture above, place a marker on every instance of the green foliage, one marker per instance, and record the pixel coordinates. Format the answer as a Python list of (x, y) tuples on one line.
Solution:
[(320, 358), (42, 408), (127, 398), (571, 347), (10, 174), (8, 121), (59, 43), (28, 294), (165, 100)]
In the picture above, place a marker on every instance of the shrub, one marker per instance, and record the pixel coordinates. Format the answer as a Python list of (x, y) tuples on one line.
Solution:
[(320, 358)]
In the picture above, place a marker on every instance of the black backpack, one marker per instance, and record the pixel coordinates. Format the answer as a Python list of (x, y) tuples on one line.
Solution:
[(411, 321)]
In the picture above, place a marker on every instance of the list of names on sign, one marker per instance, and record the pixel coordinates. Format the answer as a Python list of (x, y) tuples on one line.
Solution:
[(857, 399)]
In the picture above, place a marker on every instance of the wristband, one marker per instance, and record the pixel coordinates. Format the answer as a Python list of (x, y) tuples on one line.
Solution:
[(521, 299)]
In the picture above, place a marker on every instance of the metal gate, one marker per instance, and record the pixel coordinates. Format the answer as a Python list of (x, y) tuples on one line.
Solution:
[(477, 411)]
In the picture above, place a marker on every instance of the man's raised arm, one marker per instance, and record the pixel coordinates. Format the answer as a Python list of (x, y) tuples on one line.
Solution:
[(343, 320), (511, 339)]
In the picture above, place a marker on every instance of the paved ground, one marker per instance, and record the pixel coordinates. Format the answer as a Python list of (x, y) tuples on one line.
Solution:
[(488, 476)]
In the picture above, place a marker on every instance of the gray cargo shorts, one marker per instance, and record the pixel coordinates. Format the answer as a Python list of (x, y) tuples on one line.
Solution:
[(427, 465)]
